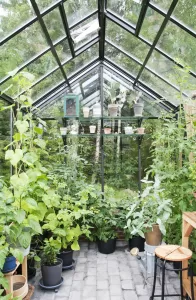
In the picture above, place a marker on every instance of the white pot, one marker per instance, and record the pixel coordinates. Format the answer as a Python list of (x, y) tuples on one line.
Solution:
[(113, 110), (63, 130), (86, 111), (138, 109), (24, 251), (128, 130), (92, 128)]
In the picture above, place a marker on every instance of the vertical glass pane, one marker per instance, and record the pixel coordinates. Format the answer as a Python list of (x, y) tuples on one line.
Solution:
[(54, 25), (126, 9), (85, 31), (4, 140), (63, 51), (38, 68), (76, 10), (81, 60), (14, 14), (179, 44), (126, 41), (21, 48), (162, 4), (151, 24), (122, 60), (173, 74), (158, 85), (47, 84), (185, 11), (45, 4)]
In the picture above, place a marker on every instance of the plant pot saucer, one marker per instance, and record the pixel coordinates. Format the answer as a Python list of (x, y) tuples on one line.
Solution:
[(54, 287), (71, 266)]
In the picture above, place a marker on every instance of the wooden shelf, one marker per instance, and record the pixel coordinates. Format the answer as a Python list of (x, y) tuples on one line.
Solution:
[(106, 135), (81, 118), (187, 287)]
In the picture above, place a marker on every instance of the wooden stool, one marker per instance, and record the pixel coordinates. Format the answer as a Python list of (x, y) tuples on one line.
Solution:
[(168, 253)]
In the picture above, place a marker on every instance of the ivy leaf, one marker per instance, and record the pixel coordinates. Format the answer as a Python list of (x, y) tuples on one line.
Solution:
[(59, 232), (25, 239), (35, 225), (20, 216), (14, 157), (38, 130), (22, 126), (75, 246), (40, 143), (17, 254), (30, 158)]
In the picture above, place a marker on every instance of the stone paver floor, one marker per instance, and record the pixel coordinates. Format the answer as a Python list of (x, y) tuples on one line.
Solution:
[(97, 276)]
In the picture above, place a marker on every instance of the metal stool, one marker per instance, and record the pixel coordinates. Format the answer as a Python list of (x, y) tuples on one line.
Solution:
[(168, 253)]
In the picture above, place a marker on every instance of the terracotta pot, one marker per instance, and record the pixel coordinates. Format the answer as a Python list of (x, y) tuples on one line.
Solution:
[(107, 130), (113, 110), (154, 236), (140, 130)]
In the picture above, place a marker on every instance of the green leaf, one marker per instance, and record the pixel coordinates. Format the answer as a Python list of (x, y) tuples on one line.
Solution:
[(59, 232), (75, 246), (22, 126), (31, 202), (25, 239), (40, 143), (20, 216), (34, 225), (14, 157), (30, 158), (17, 254), (38, 130)]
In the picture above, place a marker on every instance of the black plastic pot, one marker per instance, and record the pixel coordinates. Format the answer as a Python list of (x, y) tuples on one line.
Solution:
[(51, 275), (137, 242), (107, 247), (67, 257)]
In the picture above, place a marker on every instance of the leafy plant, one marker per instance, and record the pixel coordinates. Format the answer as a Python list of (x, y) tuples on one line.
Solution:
[(49, 251)]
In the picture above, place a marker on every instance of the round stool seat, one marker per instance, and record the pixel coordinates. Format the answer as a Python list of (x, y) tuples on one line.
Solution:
[(173, 252)]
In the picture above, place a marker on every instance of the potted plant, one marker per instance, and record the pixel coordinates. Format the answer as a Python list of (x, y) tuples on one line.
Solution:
[(104, 222), (51, 266), (138, 106), (86, 111), (149, 215), (140, 130), (107, 128), (113, 106), (92, 127), (128, 129)]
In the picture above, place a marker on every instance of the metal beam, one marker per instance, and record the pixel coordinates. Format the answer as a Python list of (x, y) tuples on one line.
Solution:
[(141, 16), (49, 41), (173, 20), (89, 44), (66, 27), (30, 22), (102, 25), (7, 98), (84, 19), (114, 18), (163, 25)]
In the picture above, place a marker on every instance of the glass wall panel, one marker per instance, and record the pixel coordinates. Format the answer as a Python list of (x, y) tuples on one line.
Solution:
[(4, 140), (122, 60), (173, 74), (179, 44), (81, 60), (46, 85), (54, 25), (185, 11), (38, 68), (126, 9), (63, 51), (21, 48), (162, 4), (76, 10), (151, 25), (126, 41), (45, 4), (85, 32), (14, 14), (159, 86)]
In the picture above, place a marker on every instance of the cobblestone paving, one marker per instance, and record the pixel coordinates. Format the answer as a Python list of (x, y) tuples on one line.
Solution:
[(97, 276)]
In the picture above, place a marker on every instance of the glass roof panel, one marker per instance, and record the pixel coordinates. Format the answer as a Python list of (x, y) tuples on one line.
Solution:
[(38, 68), (85, 31), (45, 4), (81, 60), (159, 86), (54, 25), (76, 10), (179, 44), (151, 24), (46, 85), (21, 48), (126, 9), (14, 14), (168, 70), (122, 60), (162, 4), (63, 51), (185, 11), (126, 41)]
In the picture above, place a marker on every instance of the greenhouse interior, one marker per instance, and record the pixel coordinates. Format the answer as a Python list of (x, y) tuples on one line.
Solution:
[(97, 149)]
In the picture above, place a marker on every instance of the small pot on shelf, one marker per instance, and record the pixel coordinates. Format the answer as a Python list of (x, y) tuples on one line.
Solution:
[(128, 129), (140, 130), (138, 109), (63, 130), (92, 128), (86, 111), (113, 110), (107, 130)]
